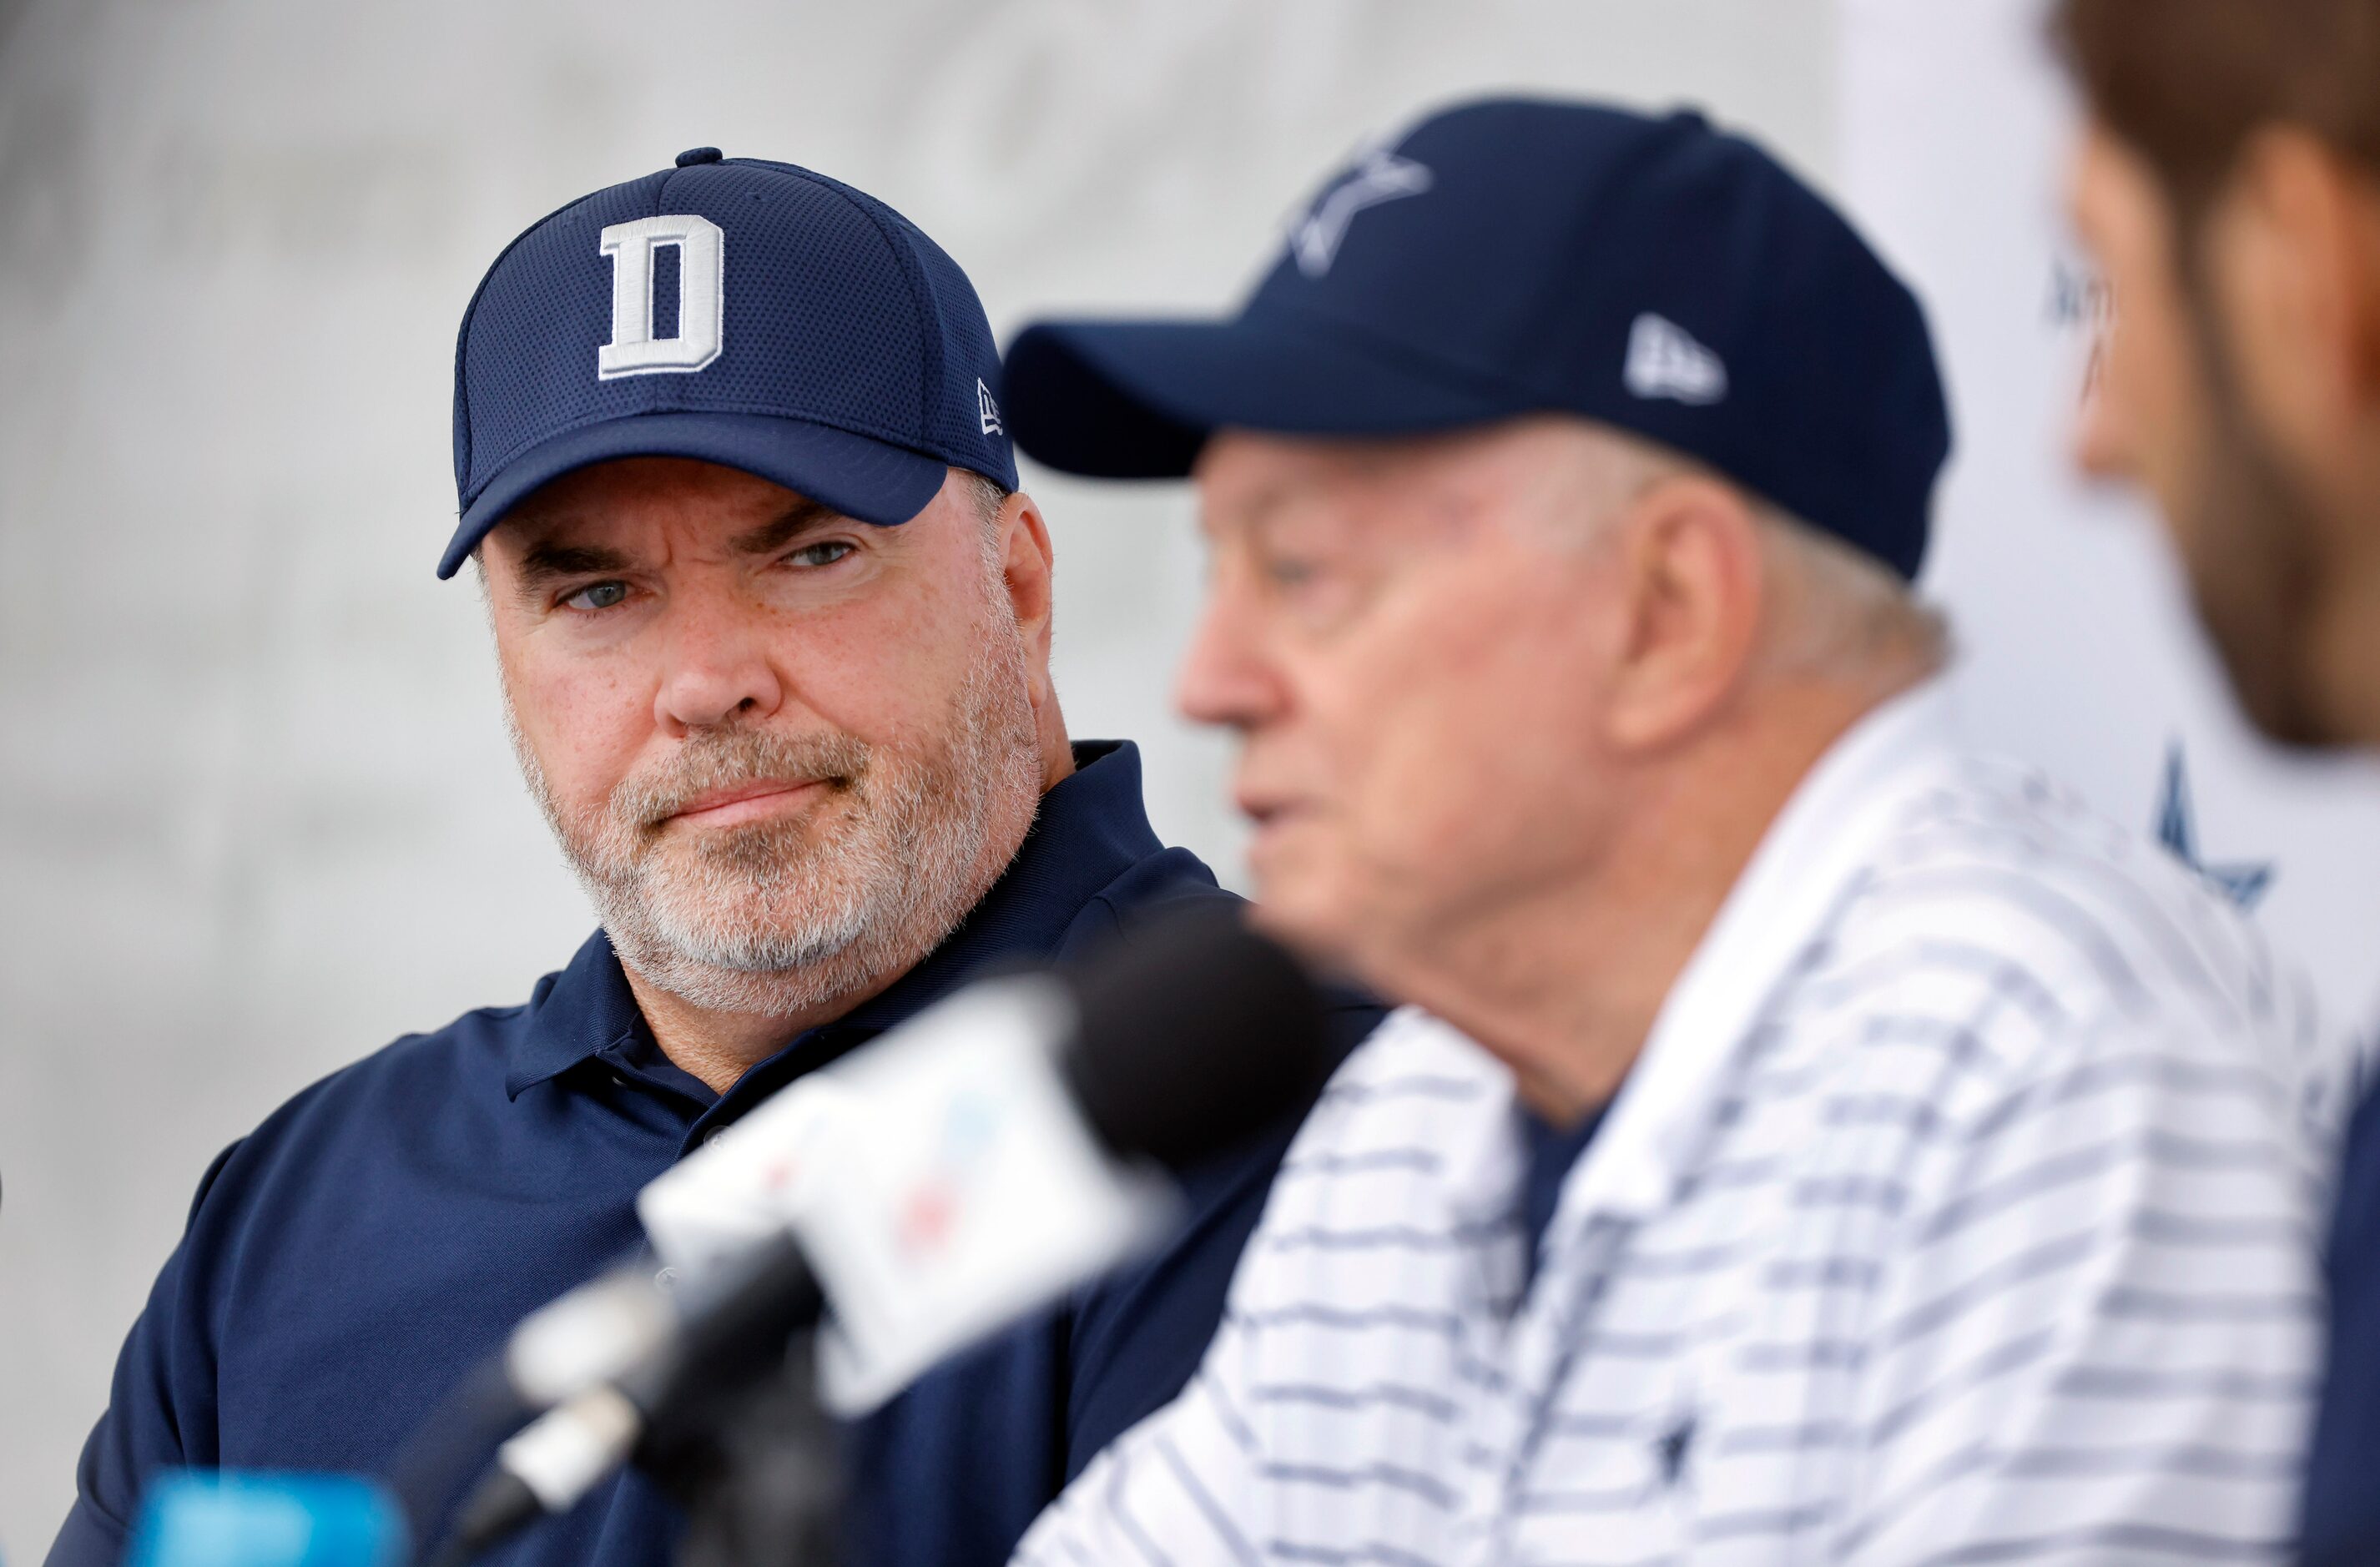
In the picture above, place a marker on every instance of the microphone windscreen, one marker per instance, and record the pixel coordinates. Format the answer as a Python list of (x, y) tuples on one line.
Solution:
[(1194, 1033)]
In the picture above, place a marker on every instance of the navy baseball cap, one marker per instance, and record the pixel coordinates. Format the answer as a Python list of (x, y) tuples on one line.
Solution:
[(739, 312), (1513, 256)]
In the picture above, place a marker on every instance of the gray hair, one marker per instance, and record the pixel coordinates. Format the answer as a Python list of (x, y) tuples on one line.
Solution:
[(1837, 613), (1845, 615)]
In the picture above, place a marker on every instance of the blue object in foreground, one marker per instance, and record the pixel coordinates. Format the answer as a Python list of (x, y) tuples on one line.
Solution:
[(206, 1519)]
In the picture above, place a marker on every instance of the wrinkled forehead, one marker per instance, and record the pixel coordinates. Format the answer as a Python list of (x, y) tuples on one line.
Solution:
[(1250, 481)]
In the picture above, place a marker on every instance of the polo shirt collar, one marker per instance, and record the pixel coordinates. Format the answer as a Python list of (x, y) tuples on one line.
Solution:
[(1807, 863), (574, 1015), (1089, 830)]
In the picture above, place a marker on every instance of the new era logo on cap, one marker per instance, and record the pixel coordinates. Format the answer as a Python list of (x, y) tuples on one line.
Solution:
[(1664, 361)]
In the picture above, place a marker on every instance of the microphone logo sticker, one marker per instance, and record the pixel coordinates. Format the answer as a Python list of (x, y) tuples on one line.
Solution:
[(929, 1212)]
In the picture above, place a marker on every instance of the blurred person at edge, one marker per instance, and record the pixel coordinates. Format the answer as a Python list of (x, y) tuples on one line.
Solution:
[(2228, 182), (773, 623), (1819, 1145)]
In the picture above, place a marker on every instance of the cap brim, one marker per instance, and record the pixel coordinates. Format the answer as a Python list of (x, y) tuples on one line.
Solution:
[(1138, 399), (859, 477)]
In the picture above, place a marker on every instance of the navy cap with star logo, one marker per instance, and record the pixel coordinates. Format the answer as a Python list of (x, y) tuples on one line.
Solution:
[(738, 311), (1514, 256)]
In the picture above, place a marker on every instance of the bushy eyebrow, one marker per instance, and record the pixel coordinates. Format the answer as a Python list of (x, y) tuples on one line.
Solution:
[(802, 516), (550, 561)]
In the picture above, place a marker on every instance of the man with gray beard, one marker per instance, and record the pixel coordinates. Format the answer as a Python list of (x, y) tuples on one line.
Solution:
[(773, 623)]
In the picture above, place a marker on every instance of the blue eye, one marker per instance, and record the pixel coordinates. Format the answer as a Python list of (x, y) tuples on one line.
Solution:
[(597, 596), (826, 552)]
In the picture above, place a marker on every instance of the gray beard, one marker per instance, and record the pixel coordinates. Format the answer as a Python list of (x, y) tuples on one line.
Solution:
[(783, 917)]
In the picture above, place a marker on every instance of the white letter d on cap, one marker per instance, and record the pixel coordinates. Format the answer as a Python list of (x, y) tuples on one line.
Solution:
[(701, 293)]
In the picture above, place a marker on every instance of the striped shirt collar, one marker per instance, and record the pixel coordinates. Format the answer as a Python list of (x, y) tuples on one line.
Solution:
[(1806, 861)]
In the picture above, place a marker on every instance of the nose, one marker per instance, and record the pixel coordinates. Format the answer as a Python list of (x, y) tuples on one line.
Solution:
[(718, 669), (1227, 677), (2100, 444)]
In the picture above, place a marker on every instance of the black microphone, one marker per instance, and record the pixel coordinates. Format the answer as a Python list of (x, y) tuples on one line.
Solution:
[(729, 1325), (961, 1171)]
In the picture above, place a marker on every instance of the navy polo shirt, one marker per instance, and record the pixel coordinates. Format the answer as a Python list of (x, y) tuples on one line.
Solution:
[(379, 1235), (2342, 1516)]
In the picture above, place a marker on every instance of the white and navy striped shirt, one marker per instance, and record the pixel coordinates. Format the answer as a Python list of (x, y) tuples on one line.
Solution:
[(1960, 1208)]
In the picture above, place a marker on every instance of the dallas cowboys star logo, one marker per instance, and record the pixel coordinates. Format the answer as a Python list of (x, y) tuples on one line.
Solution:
[(1377, 176), (2176, 828)]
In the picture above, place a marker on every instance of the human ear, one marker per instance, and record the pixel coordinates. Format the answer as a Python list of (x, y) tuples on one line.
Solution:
[(1027, 565), (2292, 255), (1688, 558)]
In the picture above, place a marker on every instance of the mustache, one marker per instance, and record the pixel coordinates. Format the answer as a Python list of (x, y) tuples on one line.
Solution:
[(725, 757)]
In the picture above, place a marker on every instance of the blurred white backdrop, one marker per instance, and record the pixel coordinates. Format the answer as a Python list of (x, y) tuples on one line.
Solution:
[(2080, 651), (257, 815)]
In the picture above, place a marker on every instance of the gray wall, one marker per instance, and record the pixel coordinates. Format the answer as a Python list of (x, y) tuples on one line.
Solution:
[(256, 812)]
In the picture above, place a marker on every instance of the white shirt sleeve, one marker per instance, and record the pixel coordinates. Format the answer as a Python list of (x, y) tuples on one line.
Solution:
[(1179, 1489), (2099, 1340)]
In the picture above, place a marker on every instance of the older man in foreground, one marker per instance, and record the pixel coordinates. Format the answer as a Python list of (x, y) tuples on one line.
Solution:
[(1808, 1144)]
